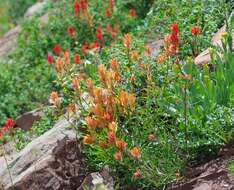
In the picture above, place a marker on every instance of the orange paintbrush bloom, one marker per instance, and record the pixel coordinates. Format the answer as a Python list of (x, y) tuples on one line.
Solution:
[(135, 152), (127, 99), (111, 137), (91, 122), (54, 98), (89, 139), (113, 126), (104, 144), (127, 40), (118, 155), (121, 145), (114, 64)]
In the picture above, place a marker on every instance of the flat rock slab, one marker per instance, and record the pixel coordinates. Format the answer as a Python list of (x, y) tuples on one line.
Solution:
[(213, 175), (204, 57), (52, 161)]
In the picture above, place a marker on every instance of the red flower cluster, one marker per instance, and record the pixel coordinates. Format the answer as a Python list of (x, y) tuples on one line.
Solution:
[(50, 58), (83, 5), (113, 31), (99, 34), (110, 9), (8, 125), (172, 41), (71, 31), (195, 30), (57, 49)]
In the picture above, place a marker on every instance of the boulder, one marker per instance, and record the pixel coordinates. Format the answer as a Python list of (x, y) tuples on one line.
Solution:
[(52, 161), (37, 8), (98, 181), (26, 120), (204, 57), (156, 47), (8, 42)]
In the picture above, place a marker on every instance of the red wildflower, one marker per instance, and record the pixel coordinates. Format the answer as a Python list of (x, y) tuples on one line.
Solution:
[(121, 145), (175, 28), (50, 58), (95, 45), (84, 4), (108, 28), (132, 13), (9, 123), (111, 4), (108, 116), (111, 137), (108, 13), (71, 31), (57, 49), (77, 59), (99, 33), (137, 174), (76, 8), (85, 48), (118, 156), (195, 30)]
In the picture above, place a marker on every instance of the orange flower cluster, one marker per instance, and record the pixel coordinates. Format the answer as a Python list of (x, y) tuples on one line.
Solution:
[(106, 104), (54, 99), (127, 40)]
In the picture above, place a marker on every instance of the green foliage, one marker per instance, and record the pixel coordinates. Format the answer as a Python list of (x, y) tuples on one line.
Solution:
[(231, 167), (22, 138), (23, 88), (17, 9)]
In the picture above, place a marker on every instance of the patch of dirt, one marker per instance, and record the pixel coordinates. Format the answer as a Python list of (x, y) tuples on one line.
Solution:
[(213, 175)]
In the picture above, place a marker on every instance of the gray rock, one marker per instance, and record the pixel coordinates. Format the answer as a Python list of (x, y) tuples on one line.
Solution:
[(52, 161), (37, 8)]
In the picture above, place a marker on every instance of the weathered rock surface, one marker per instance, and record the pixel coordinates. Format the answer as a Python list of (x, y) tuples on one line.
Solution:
[(156, 47), (52, 161), (213, 175), (8, 42), (37, 8), (26, 120), (204, 57), (98, 181)]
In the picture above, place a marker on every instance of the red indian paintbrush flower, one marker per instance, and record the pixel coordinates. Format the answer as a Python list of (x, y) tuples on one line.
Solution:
[(175, 28), (132, 13), (118, 156), (77, 59), (111, 4), (71, 31), (57, 49), (108, 13), (9, 123), (137, 174), (195, 30), (50, 59), (95, 45), (85, 48), (84, 4), (76, 8), (99, 34)]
